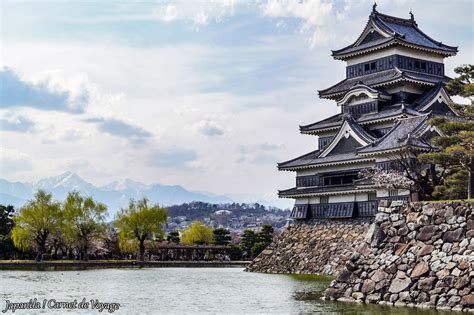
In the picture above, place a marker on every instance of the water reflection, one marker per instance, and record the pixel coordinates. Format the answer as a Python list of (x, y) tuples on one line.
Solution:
[(184, 290)]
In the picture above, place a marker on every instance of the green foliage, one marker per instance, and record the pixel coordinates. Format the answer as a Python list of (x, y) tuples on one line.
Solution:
[(173, 237), (454, 186), (253, 243), (235, 252), (6, 219), (263, 238), (456, 145), (83, 220), (6, 225), (139, 222), (36, 221), (197, 233), (258, 247), (265, 234), (462, 85), (247, 241), (222, 237)]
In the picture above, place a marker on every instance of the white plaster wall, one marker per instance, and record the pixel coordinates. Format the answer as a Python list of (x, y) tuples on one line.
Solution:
[(314, 200), (382, 193), (362, 197), (342, 198), (301, 201), (404, 87)]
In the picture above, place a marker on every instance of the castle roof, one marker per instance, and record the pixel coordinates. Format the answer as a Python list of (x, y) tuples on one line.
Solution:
[(330, 155), (333, 122), (381, 78), (406, 133), (383, 31)]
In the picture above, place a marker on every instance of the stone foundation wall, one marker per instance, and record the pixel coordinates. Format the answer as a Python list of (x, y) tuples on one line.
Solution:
[(417, 255), (312, 247)]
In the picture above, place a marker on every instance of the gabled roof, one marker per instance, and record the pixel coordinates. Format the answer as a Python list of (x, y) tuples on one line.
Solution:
[(360, 88), (406, 133), (312, 159), (333, 122), (350, 129), (391, 30), (323, 190), (380, 78), (434, 96)]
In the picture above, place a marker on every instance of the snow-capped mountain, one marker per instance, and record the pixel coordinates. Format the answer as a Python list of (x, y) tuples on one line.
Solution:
[(115, 195)]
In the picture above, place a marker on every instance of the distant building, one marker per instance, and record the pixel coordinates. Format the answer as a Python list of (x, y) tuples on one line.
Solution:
[(394, 82)]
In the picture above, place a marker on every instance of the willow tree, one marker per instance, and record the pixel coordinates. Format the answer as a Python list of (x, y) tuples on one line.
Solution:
[(197, 233), (139, 222), (35, 222), (83, 221)]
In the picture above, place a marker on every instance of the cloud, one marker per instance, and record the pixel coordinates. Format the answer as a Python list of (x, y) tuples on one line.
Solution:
[(16, 124), (13, 161), (269, 146), (120, 129), (44, 95), (172, 157), (259, 154), (315, 16), (209, 128), (199, 12)]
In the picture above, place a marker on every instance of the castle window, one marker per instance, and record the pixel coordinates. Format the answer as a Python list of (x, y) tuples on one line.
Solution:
[(372, 66), (423, 66), (366, 67), (392, 192), (372, 196), (324, 199), (417, 64)]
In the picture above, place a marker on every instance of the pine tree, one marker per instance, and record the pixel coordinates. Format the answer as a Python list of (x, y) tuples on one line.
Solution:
[(456, 145)]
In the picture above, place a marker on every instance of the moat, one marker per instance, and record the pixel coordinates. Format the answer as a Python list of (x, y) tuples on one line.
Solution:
[(182, 290)]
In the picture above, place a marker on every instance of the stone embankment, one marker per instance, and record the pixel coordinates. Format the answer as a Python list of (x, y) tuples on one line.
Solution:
[(312, 247), (417, 255)]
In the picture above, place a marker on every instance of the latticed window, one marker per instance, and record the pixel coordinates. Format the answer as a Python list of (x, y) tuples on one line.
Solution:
[(392, 192), (324, 199), (372, 196)]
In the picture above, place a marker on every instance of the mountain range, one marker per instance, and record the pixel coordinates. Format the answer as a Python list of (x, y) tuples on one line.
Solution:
[(115, 194)]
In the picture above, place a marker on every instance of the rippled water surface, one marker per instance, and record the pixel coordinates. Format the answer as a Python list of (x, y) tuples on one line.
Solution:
[(181, 290)]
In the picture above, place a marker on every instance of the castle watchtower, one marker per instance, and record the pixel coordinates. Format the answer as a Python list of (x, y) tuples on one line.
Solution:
[(394, 82)]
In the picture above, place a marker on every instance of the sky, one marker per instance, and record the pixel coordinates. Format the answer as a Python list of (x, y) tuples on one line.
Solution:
[(205, 94)]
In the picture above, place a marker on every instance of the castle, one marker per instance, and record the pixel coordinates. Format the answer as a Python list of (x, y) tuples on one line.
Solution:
[(394, 83)]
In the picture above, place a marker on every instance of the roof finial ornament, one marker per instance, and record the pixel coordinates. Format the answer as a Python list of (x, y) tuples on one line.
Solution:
[(412, 16), (374, 7)]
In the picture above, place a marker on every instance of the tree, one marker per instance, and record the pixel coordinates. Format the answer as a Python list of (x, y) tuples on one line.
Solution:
[(173, 237), (111, 243), (247, 241), (263, 238), (235, 252), (6, 225), (197, 233), (456, 145), (390, 179), (83, 221), (222, 237), (265, 234), (454, 186), (36, 221), (139, 222), (6, 219)]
